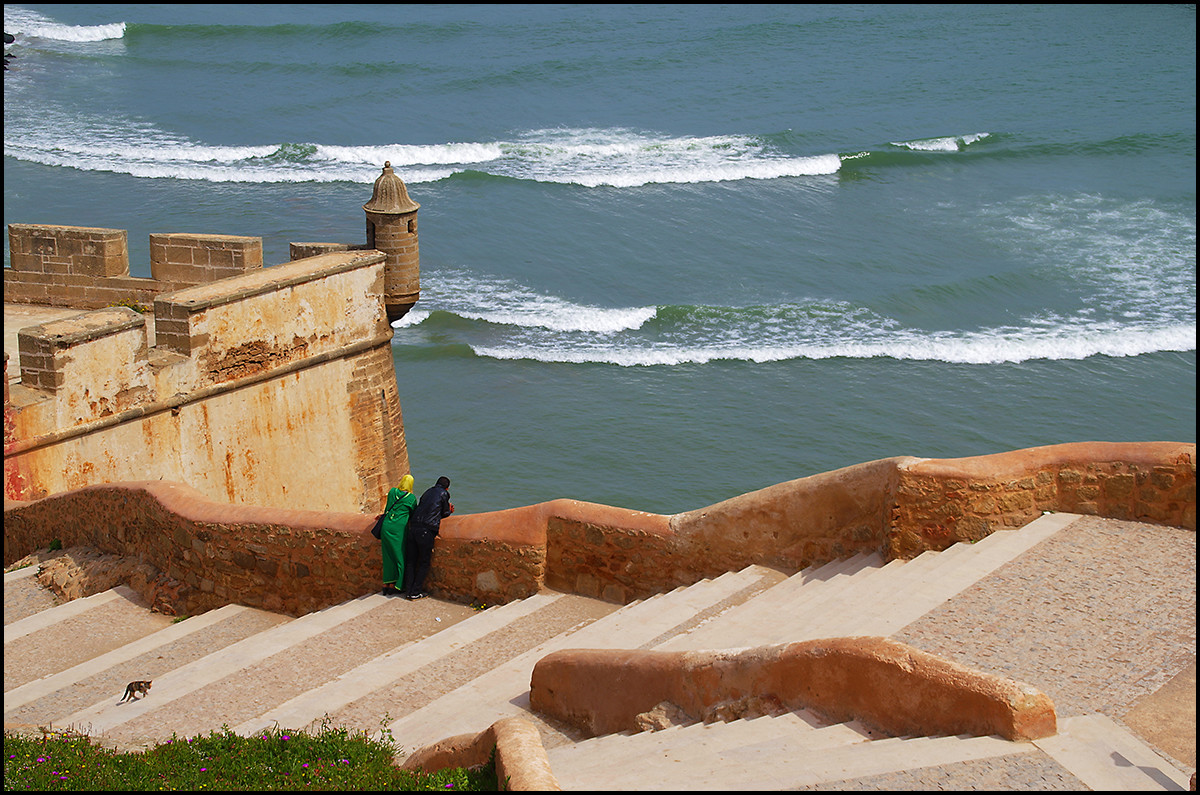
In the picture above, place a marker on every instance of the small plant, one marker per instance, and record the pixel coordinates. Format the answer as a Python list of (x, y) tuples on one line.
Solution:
[(141, 309), (55, 544), (276, 759)]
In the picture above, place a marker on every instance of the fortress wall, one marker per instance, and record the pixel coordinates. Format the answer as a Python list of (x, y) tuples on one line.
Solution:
[(275, 387), (79, 250), (94, 364), (293, 560), (794, 524)]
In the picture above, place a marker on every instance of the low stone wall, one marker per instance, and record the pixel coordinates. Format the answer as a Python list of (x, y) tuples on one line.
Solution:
[(521, 761), (293, 562), (885, 684), (939, 502), (300, 561)]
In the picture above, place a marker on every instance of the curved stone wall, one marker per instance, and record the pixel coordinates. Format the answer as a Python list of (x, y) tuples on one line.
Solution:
[(888, 685), (296, 561)]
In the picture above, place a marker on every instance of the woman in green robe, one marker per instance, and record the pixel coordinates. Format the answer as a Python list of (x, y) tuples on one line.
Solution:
[(400, 502)]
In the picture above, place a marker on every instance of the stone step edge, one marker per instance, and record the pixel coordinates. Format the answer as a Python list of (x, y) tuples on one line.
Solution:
[(21, 573), (763, 607), (379, 672), (598, 751), (1008, 544), (188, 678), (768, 765), (936, 586), (1107, 757), (53, 615), (39, 688), (647, 619), (819, 591)]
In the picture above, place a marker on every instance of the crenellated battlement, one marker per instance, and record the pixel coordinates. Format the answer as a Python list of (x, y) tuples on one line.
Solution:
[(84, 267)]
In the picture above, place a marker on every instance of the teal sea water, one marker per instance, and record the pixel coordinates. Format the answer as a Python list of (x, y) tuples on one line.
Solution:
[(675, 253)]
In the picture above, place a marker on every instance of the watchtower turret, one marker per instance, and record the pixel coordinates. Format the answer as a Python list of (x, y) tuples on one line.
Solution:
[(392, 229)]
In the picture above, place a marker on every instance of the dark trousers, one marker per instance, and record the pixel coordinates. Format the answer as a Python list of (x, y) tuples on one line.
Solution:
[(418, 553)]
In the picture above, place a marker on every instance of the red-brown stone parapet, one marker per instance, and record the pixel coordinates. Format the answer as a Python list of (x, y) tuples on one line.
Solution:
[(885, 684), (796, 523), (297, 561), (288, 561), (939, 502)]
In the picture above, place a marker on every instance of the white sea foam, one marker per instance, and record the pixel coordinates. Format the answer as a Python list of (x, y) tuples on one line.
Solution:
[(504, 303), (515, 322), (402, 155), (26, 22), (982, 348), (589, 158), (949, 144), (1136, 258)]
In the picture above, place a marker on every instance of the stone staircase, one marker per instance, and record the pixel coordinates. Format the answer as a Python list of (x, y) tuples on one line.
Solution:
[(423, 671)]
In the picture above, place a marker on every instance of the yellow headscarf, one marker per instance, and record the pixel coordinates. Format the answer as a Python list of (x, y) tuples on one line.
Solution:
[(406, 483)]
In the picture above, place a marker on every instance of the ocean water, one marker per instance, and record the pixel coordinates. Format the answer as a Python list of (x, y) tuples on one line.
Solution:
[(675, 253)]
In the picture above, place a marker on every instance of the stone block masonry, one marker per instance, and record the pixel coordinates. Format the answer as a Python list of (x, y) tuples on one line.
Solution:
[(939, 502), (88, 267), (78, 250), (197, 259)]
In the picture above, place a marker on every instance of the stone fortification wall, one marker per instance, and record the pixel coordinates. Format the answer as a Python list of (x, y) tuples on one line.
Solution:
[(274, 387), (302, 561), (88, 267)]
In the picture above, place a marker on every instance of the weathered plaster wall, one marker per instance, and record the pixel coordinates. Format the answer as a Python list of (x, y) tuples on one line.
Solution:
[(275, 387), (297, 561)]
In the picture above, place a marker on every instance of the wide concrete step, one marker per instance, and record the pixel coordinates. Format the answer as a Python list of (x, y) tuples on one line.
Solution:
[(504, 691), (51, 698), (1107, 758), (875, 600), (384, 671), (62, 637), (242, 680), (899, 601), (788, 759), (23, 596), (784, 605), (577, 764), (106, 716)]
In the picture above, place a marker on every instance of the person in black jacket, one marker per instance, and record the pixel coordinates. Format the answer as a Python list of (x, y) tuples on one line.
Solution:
[(423, 526)]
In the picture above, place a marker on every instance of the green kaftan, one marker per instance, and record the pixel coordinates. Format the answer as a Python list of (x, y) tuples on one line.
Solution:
[(399, 505)]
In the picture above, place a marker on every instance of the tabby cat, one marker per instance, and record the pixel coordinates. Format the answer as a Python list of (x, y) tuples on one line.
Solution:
[(140, 686)]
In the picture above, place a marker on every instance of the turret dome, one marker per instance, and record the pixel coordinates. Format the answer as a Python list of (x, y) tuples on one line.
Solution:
[(390, 196)]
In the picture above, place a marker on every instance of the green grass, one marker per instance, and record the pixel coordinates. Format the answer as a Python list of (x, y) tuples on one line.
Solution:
[(279, 759)]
